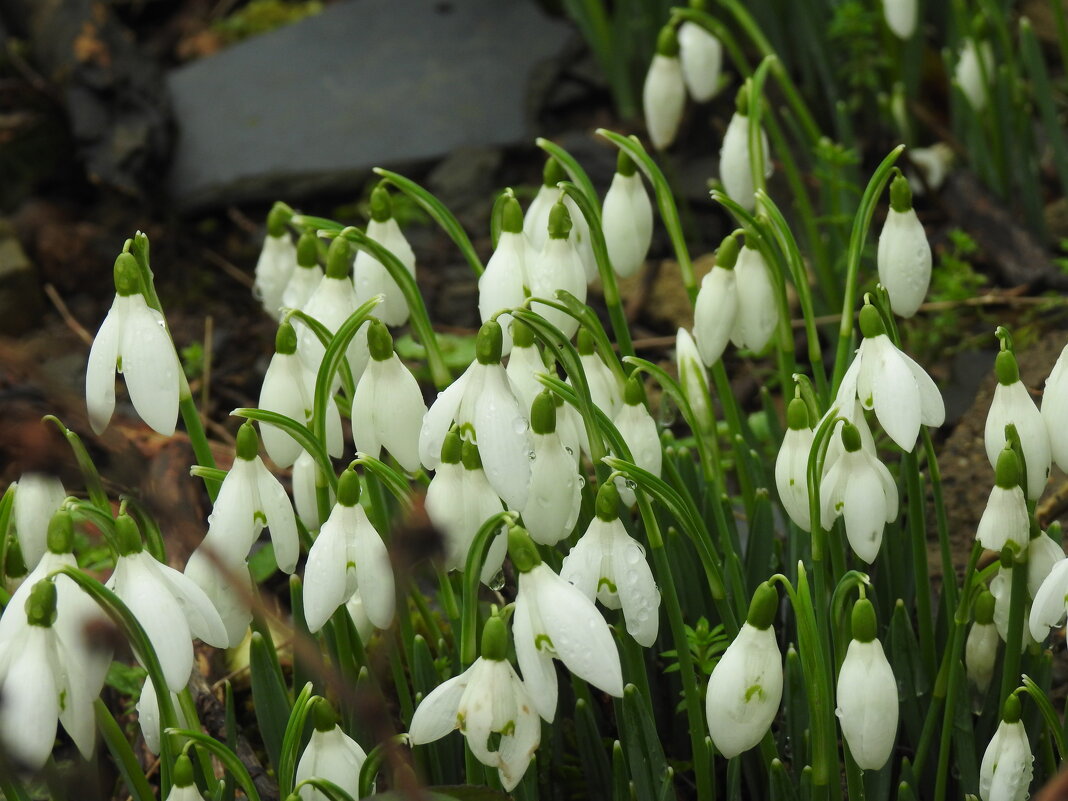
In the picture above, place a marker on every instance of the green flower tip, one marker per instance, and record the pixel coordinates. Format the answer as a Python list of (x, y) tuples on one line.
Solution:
[(128, 536), (379, 341), (900, 194), (984, 608), (1010, 711), (633, 391), (1007, 558), (285, 341), (700, 5), (182, 775), (381, 207), (451, 447), (61, 532), (553, 173), (763, 606), (1007, 472), (1006, 368), (667, 42), (607, 504), (278, 218), (543, 413), (522, 335), (741, 100), (625, 165), (584, 342), (512, 216), (559, 221), (127, 276), (495, 639), (323, 715), (865, 625), (489, 343), (338, 258), (248, 444), (727, 255), (41, 605), (308, 249), (470, 456), (348, 488), (14, 564), (871, 322), (850, 437), (797, 415), (521, 548)]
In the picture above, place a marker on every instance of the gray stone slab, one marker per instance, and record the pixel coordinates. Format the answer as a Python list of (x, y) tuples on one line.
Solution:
[(365, 83)]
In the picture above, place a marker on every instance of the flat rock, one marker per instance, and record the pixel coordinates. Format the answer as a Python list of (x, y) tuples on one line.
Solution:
[(366, 83)]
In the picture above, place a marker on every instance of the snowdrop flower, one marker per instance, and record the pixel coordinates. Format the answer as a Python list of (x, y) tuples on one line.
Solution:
[(900, 17), (933, 164), (664, 93), (555, 495), (1012, 404), (745, 687), (1055, 410), (701, 55), (148, 715), (330, 754), (183, 788), (1049, 607), (1043, 554), (308, 275), (37, 497), (524, 365), (536, 221), (41, 683), (735, 170), (867, 694), (387, 407), (904, 255), (975, 67), (608, 565), (304, 496), (250, 496), (640, 433), (558, 266), (981, 647), (277, 261), (692, 376), (758, 313), (502, 285), (1005, 773), (553, 619), (716, 308), (332, 303), (348, 556), (859, 488), (791, 465), (483, 402), (458, 501), (1005, 518), (486, 699), (289, 388), (627, 218), (133, 339), (370, 277), (228, 586), (1001, 589), (170, 607), (605, 389)]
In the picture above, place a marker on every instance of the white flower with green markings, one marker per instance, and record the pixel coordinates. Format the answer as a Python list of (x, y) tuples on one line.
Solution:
[(627, 218), (904, 255), (1012, 404), (735, 157), (555, 494), (277, 261), (369, 275), (791, 465), (503, 284), (664, 93), (557, 266), (330, 754), (1008, 764), (716, 309)]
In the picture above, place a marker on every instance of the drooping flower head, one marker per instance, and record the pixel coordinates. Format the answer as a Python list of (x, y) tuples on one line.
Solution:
[(557, 267), (900, 16), (701, 55), (503, 284), (641, 434), (981, 647), (716, 308), (1055, 410), (306, 278), (627, 218), (330, 754), (369, 275), (791, 465), (277, 261), (37, 497), (555, 494), (735, 167), (664, 93), (1005, 519), (1007, 767), (1012, 403), (904, 255)]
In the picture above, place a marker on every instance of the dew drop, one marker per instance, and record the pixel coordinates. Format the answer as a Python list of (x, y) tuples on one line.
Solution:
[(631, 484), (531, 455), (519, 425), (581, 481), (496, 582), (570, 451)]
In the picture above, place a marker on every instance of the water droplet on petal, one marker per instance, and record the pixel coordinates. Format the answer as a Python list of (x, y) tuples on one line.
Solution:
[(531, 455), (631, 484), (581, 481), (496, 582), (520, 426)]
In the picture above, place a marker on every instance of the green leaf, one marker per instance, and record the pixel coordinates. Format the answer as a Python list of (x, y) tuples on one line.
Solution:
[(575, 173), (227, 757), (262, 563), (293, 740), (269, 698), (297, 431), (127, 679)]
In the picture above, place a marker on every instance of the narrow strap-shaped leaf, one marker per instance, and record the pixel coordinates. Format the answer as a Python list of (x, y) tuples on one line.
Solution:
[(373, 764), (229, 783), (269, 697), (476, 557), (147, 523), (397, 484), (332, 791), (1049, 715), (324, 335), (93, 485), (227, 757), (645, 754), (299, 432), (293, 739), (575, 173), (595, 765), (119, 747)]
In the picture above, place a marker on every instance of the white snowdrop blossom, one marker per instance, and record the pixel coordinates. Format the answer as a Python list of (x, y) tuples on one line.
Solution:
[(169, 606), (627, 219), (867, 694), (608, 565), (369, 275), (1005, 518), (664, 92), (900, 17), (641, 435), (554, 619), (1007, 766), (933, 164), (557, 267), (348, 556), (387, 407), (693, 379), (975, 67), (1050, 602), (1001, 589), (1043, 554), (133, 339), (483, 403), (981, 647), (330, 754), (791, 465), (1055, 410), (904, 255), (701, 55), (304, 497), (606, 391), (183, 788), (716, 308), (735, 169), (37, 498), (1013, 404), (536, 220), (859, 488), (308, 275), (503, 284), (486, 699), (276, 264), (757, 316), (148, 714), (745, 688), (228, 586), (289, 389), (555, 495)]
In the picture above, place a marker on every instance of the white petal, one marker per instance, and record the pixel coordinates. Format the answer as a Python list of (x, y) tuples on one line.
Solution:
[(324, 576), (1042, 555), (150, 367), (536, 220), (536, 664), (76, 694), (864, 517), (896, 396), (30, 713), (503, 438), (277, 262), (283, 391), (100, 371), (436, 714), (714, 313), (204, 620), (904, 258), (439, 419), (1013, 404), (627, 220), (868, 704), (399, 412), (374, 571), (282, 522), (517, 750), (1048, 608), (744, 691), (501, 285), (232, 525), (637, 590), (701, 55), (582, 565), (229, 588), (663, 98), (37, 498), (791, 476), (758, 313), (330, 755), (1004, 518), (555, 494)]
